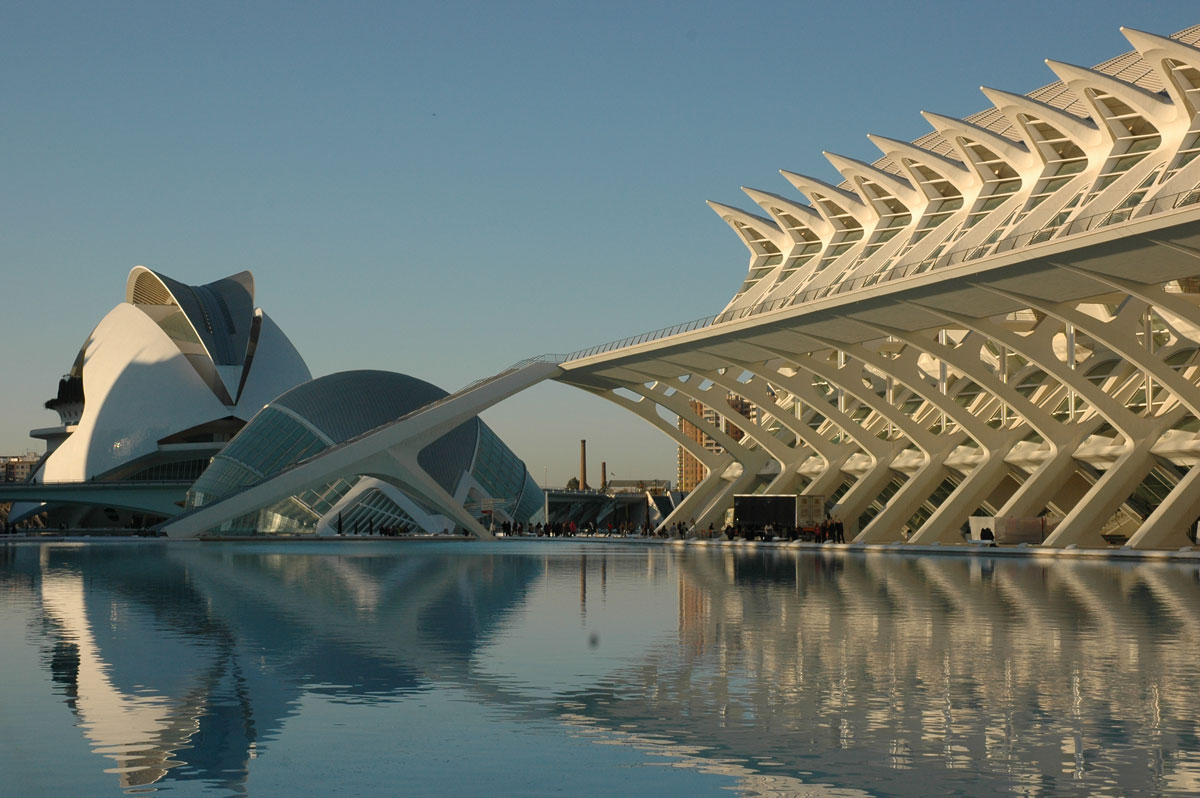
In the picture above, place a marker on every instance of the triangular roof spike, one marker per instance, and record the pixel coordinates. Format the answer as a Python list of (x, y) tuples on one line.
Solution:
[(1154, 107), (953, 170), (766, 226), (1084, 131), (1154, 49), (1145, 42), (901, 188), (808, 186), (1017, 155), (766, 200)]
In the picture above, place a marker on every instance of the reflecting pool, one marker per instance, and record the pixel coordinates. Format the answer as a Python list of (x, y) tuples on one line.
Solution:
[(533, 668)]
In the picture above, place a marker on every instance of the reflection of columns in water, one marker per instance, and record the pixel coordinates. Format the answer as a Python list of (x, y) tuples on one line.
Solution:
[(582, 586), (603, 577)]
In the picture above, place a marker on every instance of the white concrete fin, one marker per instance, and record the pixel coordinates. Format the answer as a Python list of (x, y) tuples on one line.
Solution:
[(902, 189), (1158, 110), (1017, 155), (956, 172), (1082, 131)]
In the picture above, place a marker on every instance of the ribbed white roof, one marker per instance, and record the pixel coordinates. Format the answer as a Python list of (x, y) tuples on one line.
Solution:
[(1129, 67)]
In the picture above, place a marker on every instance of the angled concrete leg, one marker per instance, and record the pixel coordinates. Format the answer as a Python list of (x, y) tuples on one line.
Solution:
[(1040, 488), (710, 487), (1082, 525), (858, 498), (944, 525), (1167, 526), (406, 473), (885, 527)]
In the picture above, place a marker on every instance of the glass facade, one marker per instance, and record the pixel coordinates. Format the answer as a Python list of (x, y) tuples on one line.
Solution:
[(271, 441)]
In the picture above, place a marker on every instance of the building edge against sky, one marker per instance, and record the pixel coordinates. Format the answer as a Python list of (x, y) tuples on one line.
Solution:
[(999, 319), (178, 375)]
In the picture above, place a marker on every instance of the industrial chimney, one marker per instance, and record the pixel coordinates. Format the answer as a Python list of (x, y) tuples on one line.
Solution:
[(583, 465), (603, 475)]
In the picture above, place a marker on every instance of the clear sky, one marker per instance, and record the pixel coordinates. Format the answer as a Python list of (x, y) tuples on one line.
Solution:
[(443, 189)]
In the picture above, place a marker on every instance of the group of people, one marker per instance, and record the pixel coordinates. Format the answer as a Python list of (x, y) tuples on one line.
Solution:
[(831, 530), (564, 529)]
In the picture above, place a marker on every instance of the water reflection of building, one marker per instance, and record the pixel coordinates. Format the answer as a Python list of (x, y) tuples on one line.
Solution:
[(787, 669), (178, 667), (960, 659)]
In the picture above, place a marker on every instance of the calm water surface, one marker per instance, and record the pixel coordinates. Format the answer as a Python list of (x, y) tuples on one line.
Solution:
[(525, 668)]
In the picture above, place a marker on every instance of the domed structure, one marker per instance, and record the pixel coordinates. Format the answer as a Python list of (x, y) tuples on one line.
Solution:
[(469, 462), (161, 385)]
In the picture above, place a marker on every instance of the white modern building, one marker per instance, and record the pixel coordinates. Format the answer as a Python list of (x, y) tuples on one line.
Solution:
[(999, 319), (159, 386), (183, 384)]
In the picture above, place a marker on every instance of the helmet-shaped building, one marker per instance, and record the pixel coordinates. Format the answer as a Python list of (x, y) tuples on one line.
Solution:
[(160, 386)]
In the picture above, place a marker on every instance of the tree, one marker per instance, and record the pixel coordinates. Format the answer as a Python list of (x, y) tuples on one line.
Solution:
[(573, 483)]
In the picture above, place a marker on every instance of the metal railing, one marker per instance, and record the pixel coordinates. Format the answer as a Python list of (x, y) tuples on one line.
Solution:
[(958, 256), (98, 483)]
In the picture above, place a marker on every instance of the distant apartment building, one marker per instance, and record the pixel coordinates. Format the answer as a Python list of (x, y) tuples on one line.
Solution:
[(17, 467), (690, 471)]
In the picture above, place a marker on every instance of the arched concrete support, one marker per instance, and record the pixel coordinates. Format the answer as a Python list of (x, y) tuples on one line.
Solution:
[(1167, 526), (1043, 484), (1120, 336), (715, 464), (328, 522), (708, 509), (707, 505), (884, 527), (776, 448), (975, 369), (399, 467), (975, 486), (986, 478), (645, 410), (1062, 438), (1037, 348), (790, 458), (866, 487)]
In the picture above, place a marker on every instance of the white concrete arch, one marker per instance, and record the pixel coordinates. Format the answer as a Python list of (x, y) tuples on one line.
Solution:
[(1083, 132), (1157, 110), (954, 171), (708, 507), (955, 130), (790, 457), (982, 482), (979, 481), (903, 190), (818, 190), (1155, 50), (934, 448), (866, 486), (1119, 481), (1047, 481)]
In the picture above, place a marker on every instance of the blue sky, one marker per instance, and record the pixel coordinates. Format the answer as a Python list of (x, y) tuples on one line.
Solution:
[(444, 189)]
